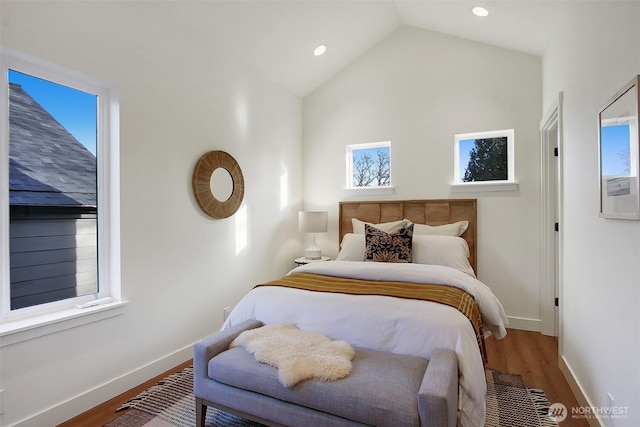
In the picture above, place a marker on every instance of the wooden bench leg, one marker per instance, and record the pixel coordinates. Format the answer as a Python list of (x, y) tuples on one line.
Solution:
[(201, 412)]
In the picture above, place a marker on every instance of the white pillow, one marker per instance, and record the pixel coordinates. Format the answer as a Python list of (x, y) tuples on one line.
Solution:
[(450, 251), (387, 227), (352, 248), (455, 229)]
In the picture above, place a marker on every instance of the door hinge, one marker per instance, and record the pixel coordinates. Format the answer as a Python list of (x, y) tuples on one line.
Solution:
[(557, 301), (556, 226), (555, 151)]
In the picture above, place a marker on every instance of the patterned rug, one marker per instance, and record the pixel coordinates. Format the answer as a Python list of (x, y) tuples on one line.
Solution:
[(511, 403), (171, 403)]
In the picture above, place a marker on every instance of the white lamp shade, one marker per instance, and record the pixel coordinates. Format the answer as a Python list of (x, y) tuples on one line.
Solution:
[(312, 222)]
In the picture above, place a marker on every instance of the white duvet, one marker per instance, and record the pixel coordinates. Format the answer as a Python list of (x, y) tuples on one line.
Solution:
[(391, 324)]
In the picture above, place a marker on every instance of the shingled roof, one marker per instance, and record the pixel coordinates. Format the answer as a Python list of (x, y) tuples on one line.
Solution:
[(47, 165)]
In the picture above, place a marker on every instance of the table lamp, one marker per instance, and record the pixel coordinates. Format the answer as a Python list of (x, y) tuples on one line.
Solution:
[(312, 222)]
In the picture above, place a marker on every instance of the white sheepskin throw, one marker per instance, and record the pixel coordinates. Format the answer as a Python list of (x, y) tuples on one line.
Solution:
[(298, 355)]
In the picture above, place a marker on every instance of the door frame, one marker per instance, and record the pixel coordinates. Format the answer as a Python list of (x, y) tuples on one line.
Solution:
[(551, 136)]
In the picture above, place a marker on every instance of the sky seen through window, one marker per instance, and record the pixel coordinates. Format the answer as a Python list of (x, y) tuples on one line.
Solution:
[(75, 110)]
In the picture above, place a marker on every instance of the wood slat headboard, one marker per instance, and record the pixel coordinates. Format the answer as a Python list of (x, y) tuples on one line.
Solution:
[(431, 212)]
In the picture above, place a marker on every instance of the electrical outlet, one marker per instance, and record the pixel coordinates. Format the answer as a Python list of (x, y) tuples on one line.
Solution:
[(226, 312)]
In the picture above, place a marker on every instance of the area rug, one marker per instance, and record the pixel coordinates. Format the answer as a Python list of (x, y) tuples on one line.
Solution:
[(511, 403), (171, 403)]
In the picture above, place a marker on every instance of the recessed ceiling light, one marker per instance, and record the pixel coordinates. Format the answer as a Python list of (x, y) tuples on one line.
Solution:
[(480, 11), (320, 50)]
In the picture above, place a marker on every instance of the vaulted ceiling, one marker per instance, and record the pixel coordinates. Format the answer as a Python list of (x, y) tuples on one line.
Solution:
[(278, 37)]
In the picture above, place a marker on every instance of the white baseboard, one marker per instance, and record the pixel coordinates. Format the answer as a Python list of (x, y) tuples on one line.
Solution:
[(575, 387), (83, 402), (524, 323)]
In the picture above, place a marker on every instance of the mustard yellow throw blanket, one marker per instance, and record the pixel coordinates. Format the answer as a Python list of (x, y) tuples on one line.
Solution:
[(449, 295)]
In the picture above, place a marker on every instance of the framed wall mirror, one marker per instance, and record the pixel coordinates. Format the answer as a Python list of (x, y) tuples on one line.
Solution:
[(618, 140), (218, 184)]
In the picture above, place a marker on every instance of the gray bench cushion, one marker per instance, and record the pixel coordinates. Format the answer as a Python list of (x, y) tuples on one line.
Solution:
[(381, 390)]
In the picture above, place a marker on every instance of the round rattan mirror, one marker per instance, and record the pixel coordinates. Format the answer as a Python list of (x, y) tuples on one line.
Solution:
[(201, 182)]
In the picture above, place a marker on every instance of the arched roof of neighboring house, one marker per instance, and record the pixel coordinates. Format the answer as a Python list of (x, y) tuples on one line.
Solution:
[(47, 165)]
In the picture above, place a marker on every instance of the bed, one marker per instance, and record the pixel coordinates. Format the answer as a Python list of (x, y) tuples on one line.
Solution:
[(442, 255)]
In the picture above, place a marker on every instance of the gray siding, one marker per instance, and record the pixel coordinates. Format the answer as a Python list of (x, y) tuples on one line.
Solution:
[(52, 259)]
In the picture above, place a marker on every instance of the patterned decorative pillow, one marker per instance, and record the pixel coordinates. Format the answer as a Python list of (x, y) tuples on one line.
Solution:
[(381, 246)]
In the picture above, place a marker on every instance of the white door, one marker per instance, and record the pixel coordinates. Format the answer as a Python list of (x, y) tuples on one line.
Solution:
[(551, 214)]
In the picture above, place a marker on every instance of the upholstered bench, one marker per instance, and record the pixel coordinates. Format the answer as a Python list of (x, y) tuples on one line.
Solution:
[(383, 389)]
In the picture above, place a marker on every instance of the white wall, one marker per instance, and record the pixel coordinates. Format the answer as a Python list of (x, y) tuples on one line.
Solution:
[(178, 100), (417, 89), (596, 54)]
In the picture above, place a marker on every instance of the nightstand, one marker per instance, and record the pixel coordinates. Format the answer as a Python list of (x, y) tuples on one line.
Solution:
[(302, 260)]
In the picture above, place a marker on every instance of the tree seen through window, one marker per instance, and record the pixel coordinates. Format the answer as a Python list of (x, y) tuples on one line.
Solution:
[(371, 167), (488, 160)]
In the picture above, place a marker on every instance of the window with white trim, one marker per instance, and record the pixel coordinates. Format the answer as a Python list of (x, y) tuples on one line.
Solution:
[(369, 165), (59, 216), (484, 158)]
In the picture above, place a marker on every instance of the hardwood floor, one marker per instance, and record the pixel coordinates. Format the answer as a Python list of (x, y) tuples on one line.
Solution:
[(532, 355), (105, 412)]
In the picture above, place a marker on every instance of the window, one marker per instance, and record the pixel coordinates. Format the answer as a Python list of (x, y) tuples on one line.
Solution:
[(485, 158), (59, 244), (369, 165)]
